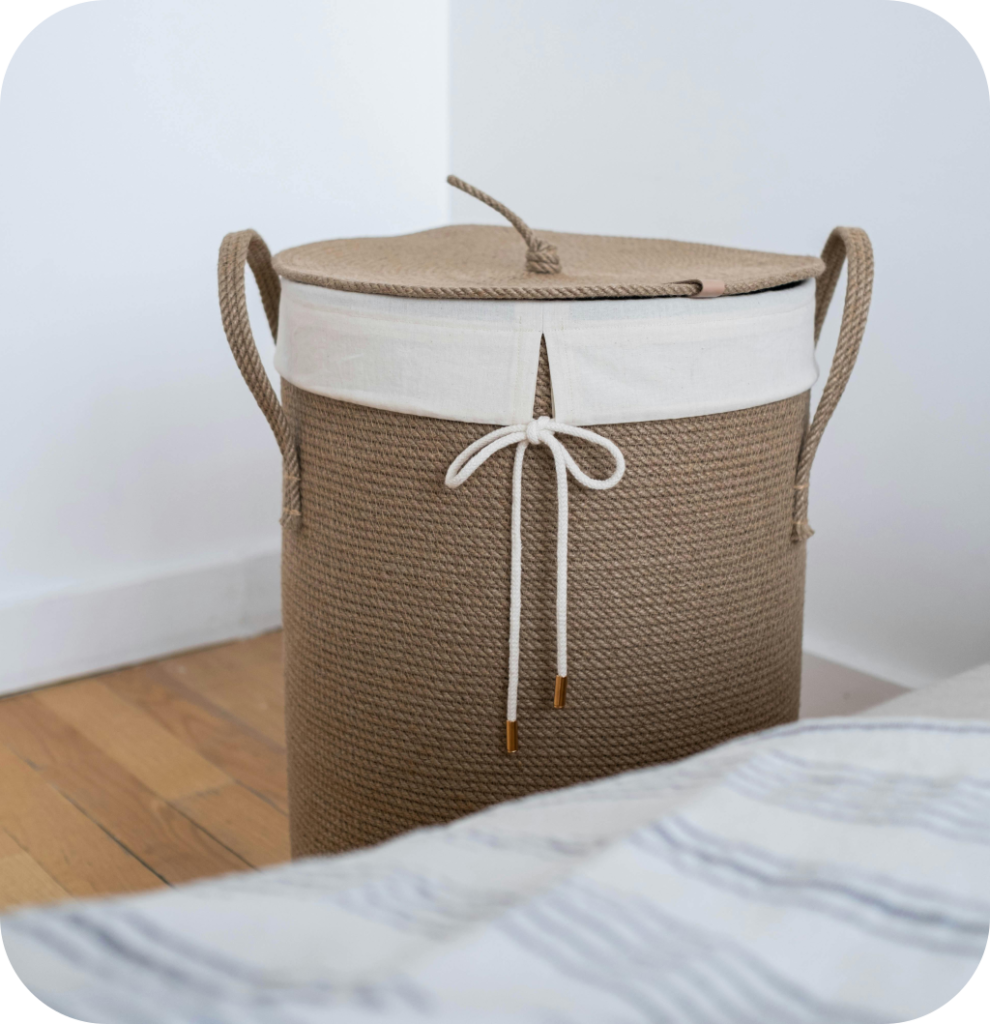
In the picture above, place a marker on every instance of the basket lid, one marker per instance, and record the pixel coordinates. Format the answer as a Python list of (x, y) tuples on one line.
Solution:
[(474, 261)]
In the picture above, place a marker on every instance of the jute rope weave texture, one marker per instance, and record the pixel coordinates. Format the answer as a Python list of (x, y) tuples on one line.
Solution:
[(684, 611), (481, 261), (850, 245), (238, 248)]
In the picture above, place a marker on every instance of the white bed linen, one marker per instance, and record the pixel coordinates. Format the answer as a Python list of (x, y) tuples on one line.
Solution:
[(834, 870), (611, 361)]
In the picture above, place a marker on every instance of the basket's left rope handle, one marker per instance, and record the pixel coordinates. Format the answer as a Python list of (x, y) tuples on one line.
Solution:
[(850, 245), (236, 250)]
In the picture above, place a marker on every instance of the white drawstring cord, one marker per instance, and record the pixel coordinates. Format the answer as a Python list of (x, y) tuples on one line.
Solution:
[(522, 435)]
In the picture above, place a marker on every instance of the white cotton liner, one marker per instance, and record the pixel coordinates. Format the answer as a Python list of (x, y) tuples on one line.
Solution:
[(611, 361)]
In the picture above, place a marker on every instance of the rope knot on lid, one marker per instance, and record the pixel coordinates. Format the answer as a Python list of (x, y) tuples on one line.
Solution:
[(541, 256)]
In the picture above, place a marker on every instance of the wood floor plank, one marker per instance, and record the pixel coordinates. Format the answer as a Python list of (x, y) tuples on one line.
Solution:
[(23, 881), (173, 769), (133, 739), (244, 678), (254, 761), (8, 848), (68, 846), (244, 822), (159, 835)]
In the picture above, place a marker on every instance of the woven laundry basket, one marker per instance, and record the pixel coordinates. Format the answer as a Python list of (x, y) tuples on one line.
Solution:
[(533, 481)]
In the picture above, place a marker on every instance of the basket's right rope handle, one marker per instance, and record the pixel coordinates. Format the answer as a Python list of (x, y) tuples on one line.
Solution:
[(844, 244), (236, 250)]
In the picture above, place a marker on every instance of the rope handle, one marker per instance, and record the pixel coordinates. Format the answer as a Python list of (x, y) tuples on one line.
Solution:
[(236, 250), (844, 244), (541, 257)]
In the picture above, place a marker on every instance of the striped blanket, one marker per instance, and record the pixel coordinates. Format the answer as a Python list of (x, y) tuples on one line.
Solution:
[(834, 870)]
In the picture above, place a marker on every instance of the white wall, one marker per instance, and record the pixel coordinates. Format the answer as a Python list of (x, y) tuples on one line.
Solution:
[(140, 483), (764, 124)]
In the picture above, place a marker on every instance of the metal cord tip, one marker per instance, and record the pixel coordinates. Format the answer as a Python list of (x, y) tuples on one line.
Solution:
[(560, 692)]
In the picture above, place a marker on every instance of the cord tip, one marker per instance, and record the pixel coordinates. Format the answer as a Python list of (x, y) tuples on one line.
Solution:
[(560, 692), (511, 738)]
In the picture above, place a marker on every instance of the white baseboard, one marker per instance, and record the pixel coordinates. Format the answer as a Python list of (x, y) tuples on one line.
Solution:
[(868, 664), (82, 631)]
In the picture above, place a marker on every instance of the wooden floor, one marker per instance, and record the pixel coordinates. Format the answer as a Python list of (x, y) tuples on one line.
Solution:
[(145, 777), (175, 770)]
